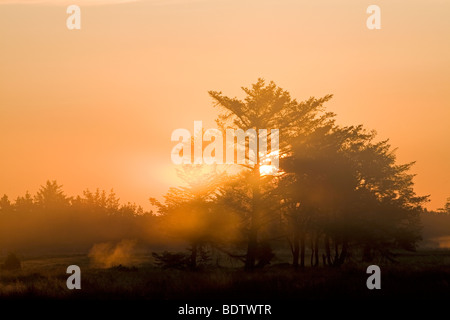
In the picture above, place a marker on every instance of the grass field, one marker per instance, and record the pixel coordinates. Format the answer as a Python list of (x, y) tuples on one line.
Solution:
[(421, 275)]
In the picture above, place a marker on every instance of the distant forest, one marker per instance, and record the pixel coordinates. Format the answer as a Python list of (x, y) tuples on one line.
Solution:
[(340, 196)]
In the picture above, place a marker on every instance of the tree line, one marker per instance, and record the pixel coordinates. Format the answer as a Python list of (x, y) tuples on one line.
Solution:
[(52, 222)]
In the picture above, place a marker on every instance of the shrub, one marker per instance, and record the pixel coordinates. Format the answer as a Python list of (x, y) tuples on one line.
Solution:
[(169, 260), (12, 262)]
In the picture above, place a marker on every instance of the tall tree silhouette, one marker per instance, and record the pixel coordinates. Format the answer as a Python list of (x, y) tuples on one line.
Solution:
[(267, 106), (51, 196), (5, 204)]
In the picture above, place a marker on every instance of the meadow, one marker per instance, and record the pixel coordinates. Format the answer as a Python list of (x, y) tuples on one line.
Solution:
[(424, 274)]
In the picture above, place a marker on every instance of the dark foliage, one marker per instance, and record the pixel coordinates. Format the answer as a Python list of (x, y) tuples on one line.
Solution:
[(12, 262)]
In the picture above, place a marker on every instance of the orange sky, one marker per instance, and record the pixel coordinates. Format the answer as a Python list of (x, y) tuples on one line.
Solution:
[(96, 107)]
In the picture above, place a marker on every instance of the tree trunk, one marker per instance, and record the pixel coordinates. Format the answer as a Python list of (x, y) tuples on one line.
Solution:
[(302, 251), (194, 253), (344, 252), (328, 251), (254, 223), (316, 251), (296, 250), (251, 250), (336, 251)]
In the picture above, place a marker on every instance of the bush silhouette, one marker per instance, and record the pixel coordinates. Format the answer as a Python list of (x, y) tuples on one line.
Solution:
[(169, 260), (12, 262)]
